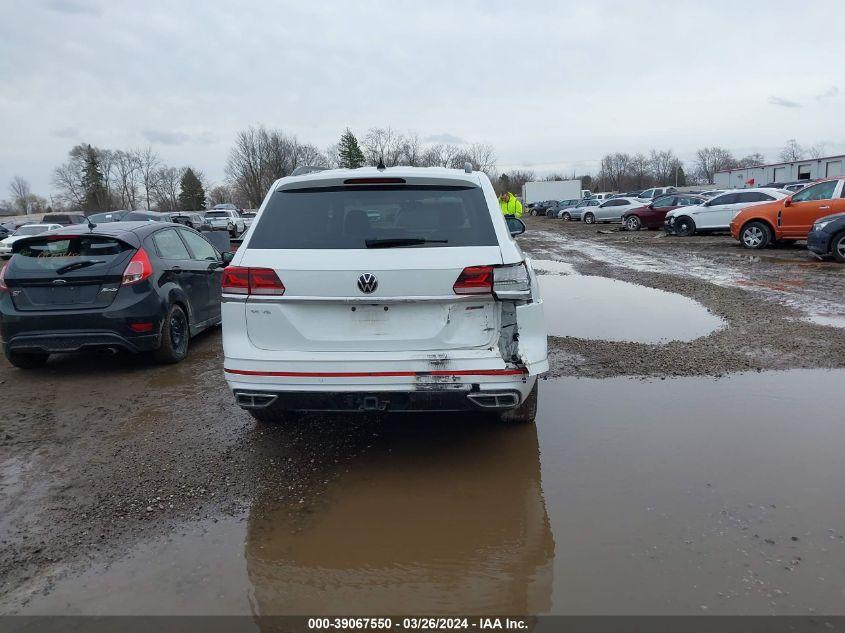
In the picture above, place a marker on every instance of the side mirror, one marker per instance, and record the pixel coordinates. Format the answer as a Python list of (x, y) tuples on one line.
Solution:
[(515, 226), (227, 257), (787, 202)]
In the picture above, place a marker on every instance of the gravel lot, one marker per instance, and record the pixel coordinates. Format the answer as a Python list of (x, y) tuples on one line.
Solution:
[(100, 452)]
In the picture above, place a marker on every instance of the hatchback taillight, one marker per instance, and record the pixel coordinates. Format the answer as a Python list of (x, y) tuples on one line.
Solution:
[(138, 268), (474, 280), (241, 280), (3, 268)]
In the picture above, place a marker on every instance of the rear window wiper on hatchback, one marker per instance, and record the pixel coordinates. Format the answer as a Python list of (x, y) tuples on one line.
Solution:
[(75, 265), (392, 242)]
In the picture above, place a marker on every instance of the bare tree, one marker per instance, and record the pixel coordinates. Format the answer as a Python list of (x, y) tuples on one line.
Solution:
[(709, 160), (148, 163), (792, 151), (21, 194), (383, 145), (816, 151), (167, 183), (751, 160), (662, 165), (219, 194), (127, 169)]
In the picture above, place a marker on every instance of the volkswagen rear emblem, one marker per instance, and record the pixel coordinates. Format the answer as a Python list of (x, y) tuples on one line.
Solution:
[(367, 283)]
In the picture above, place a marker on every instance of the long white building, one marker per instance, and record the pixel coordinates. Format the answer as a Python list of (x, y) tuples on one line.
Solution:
[(807, 169)]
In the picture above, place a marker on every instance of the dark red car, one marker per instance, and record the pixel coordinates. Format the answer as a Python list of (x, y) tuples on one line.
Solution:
[(652, 216)]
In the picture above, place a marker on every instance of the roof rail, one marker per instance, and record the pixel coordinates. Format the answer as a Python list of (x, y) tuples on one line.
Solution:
[(307, 169)]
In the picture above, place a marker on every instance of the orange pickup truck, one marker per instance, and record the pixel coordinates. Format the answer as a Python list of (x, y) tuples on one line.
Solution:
[(789, 219)]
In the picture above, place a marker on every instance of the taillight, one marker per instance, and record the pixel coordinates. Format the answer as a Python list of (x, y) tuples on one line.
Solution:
[(241, 280), (474, 280), (138, 268), (3, 268)]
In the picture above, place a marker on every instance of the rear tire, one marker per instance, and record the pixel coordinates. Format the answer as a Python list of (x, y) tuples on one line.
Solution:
[(755, 235), (589, 218), (23, 360), (525, 413), (684, 226), (837, 247), (566, 216), (175, 334)]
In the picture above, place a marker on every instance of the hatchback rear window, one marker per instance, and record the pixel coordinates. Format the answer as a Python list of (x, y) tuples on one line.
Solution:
[(216, 214), (375, 216), (51, 253)]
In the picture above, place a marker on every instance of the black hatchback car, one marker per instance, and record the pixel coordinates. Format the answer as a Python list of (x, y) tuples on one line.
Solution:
[(827, 238), (134, 286)]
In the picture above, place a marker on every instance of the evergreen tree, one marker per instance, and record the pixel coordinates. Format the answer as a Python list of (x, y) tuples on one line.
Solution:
[(93, 183), (682, 177), (191, 193), (349, 152)]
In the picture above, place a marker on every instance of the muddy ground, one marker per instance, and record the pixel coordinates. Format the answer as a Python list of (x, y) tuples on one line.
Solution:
[(101, 453)]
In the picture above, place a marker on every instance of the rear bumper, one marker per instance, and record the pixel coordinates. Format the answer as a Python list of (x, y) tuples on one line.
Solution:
[(464, 398), (79, 340), (395, 386)]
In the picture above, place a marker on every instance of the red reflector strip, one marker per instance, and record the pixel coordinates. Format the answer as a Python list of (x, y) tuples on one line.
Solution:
[(377, 374), (141, 327)]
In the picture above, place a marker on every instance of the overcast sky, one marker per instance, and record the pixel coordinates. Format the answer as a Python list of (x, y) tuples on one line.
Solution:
[(550, 85)]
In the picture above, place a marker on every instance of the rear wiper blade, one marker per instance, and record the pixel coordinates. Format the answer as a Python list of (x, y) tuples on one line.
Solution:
[(401, 241), (75, 265)]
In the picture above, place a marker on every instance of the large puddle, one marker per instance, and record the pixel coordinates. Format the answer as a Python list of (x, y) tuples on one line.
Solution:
[(611, 310), (679, 496)]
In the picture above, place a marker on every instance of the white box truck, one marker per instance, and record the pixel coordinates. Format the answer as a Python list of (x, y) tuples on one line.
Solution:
[(540, 191)]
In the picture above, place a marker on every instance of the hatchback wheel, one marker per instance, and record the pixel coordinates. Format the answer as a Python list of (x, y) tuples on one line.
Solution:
[(755, 235), (27, 361), (566, 216), (684, 226), (589, 218), (838, 247), (525, 413), (633, 223), (174, 337)]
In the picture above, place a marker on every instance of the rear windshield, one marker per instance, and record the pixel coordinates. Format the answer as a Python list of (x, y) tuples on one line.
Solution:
[(373, 216), (49, 253), (216, 214)]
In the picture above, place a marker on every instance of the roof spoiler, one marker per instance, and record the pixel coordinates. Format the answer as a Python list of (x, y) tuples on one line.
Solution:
[(307, 169)]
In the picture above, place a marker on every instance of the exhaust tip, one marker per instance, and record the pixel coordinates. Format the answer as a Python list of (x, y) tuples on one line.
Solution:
[(494, 399), (254, 400)]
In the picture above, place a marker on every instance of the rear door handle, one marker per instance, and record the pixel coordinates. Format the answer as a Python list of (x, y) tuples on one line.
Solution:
[(176, 270), (826, 207)]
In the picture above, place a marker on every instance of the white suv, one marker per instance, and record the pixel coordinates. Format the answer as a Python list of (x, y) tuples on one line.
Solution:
[(383, 290), (226, 216)]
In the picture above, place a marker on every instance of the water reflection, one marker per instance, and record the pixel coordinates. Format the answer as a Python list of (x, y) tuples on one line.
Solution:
[(440, 517)]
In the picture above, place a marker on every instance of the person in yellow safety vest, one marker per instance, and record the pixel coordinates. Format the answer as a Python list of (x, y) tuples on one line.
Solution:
[(510, 205)]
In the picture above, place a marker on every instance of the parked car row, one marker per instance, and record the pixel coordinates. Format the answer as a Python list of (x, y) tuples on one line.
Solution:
[(756, 217)]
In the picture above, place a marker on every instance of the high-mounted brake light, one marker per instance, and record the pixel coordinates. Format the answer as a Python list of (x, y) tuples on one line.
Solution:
[(374, 181), (474, 280), (138, 268), (241, 280)]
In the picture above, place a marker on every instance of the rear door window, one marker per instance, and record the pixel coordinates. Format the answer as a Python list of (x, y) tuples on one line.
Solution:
[(169, 245), (370, 216), (199, 246), (728, 198)]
